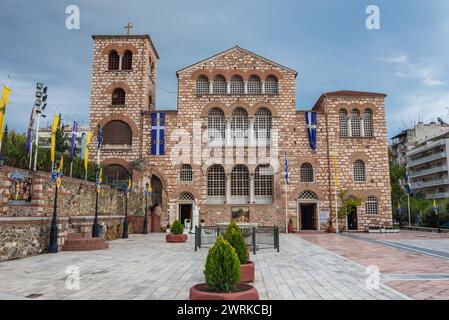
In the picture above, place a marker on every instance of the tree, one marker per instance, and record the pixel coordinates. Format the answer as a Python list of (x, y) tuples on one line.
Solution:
[(60, 137), (347, 203)]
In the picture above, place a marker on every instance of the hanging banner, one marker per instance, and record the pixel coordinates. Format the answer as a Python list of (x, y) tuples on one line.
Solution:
[(311, 129), (158, 134)]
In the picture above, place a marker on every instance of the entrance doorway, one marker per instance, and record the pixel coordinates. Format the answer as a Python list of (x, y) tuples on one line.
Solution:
[(352, 218), (308, 216), (185, 212)]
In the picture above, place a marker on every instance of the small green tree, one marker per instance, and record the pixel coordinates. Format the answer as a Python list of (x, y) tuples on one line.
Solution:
[(177, 227), (347, 203), (234, 236), (222, 270)]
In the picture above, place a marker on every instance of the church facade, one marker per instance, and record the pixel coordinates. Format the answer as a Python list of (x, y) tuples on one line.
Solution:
[(222, 152)]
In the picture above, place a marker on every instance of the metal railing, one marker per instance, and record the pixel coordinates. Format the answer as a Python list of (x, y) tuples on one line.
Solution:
[(256, 238)]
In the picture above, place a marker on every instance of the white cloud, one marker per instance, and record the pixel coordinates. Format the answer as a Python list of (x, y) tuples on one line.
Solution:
[(405, 69)]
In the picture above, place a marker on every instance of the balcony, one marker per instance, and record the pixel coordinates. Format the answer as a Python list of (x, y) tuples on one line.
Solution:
[(425, 172), (432, 157), (432, 183), (439, 195), (427, 146)]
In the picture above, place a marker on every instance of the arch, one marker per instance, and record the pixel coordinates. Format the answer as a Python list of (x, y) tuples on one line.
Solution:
[(306, 173), (113, 60), (117, 161), (262, 104), (216, 124), (186, 188), (254, 85), (355, 123), (215, 104), (264, 180), (271, 85), (121, 117), (308, 195), (117, 175), (239, 124), (115, 85), (343, 122), (239, 104), (118, 97), (186, 196), (120, 48), (368, 123), (157, 189), (219, 85), (202, 85), (263, 124), (117, 132), (127, 60), (237, 85), (240, 181), (294, 195)]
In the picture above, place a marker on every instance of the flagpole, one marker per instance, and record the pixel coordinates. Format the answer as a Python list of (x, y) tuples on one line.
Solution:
[(336, 208), (286, 209), (31, 155), (409, 215), (71, 168)]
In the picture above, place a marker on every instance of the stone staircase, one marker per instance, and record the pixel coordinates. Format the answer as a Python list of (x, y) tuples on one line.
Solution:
[(82, 242)]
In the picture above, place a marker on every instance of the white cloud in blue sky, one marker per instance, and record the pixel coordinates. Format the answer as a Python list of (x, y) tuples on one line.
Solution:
[(325, 41)]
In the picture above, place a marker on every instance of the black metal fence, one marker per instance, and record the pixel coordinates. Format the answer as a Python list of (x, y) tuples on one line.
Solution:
[(256, 238)]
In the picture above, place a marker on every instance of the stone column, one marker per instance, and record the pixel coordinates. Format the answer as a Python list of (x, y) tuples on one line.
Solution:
[(228, 87), (362, 126), (228, 187), (245, 87), (211, 87), (251, 187), (120, 60), (263, 86)]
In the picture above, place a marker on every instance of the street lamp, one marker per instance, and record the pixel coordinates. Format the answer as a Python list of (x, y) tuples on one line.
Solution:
[(125, 222), (96, 225)]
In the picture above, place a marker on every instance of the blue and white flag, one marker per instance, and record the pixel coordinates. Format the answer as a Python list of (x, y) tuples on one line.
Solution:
[(99, 137), (286, 168), (408, 185), (30, 134), (157, 134), (83, 145), (73, 141), (54, 175), (311, 129)]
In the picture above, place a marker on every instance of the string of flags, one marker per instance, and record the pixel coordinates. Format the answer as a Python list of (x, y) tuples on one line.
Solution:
[(58, 173)]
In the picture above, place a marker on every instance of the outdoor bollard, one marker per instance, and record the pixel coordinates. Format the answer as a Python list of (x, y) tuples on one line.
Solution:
[(254, 240)]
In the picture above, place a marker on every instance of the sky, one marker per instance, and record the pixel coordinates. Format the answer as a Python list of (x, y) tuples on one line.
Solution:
[(326, 41)]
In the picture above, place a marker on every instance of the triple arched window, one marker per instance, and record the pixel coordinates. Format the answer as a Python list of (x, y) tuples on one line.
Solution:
[(356, 125), (117, 62), (236, 85)]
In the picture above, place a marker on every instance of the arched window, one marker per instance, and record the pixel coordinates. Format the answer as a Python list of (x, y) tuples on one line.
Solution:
[(186, 196), (186, 174), (306, 173), (254, 85), (118, 97), (359, 171), (343, 123), (237, 85), (371, 205), (116, 175), (114, 60), (216, 124), (127, 61), (355, 123), (368, 123), (239, 124), (202, 85), (307, 196), (219, 86), (240, 181), (271, 85), (216, 181), (263, 181), (263, 125), (117, 132)]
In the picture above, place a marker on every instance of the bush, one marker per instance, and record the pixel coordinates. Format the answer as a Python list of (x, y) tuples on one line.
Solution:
[(177, 227), (234, 236), (222, 271)]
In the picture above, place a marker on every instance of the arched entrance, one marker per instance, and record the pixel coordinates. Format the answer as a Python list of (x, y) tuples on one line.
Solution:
[(307, 211), (156, 191), (185, 206), (116, 175), (352, 218)]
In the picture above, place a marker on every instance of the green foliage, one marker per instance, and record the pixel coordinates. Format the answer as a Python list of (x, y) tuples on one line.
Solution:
[(234, 237), (347, 204), (222, 271), (14, 150), (177, 227), (60, 146)]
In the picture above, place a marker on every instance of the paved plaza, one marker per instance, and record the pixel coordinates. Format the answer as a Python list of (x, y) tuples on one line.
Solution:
[(147, 267)]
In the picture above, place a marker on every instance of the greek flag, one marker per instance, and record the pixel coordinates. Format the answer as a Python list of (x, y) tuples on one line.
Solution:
[(83, 145), (54, 175), (100, 137), (286, 168), (311, 129), (157, 134), (408, 185)]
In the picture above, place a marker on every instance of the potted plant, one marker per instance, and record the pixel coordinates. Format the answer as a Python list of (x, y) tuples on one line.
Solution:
[(330, 226), (290, 226), (202, 222), (234, 236), (222, 274), (176, 233)]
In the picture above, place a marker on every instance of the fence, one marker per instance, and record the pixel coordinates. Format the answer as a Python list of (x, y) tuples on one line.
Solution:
[(256, 238)]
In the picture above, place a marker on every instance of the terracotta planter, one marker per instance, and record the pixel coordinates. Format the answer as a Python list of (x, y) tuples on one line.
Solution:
[(176, 238), (247, 272), (244, 292), (290, 228), (330, 229)]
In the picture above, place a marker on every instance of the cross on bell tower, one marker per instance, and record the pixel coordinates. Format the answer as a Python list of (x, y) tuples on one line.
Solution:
[(128, 28)]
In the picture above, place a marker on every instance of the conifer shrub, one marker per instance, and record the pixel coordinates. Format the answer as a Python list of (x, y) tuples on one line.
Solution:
[(177, 227), (222, 270), (234, 236)]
